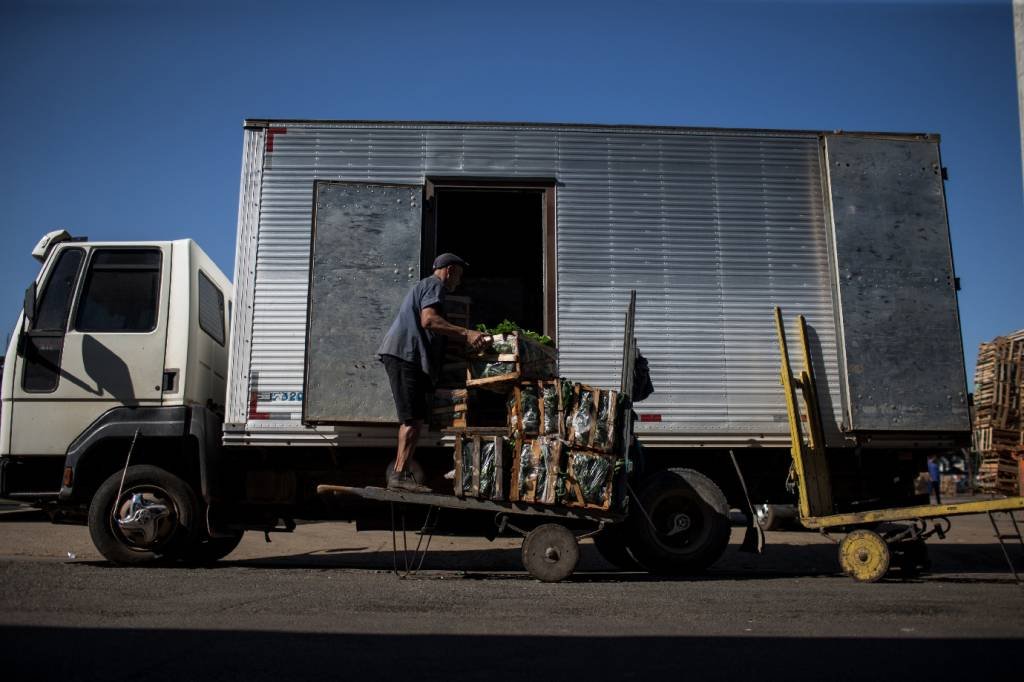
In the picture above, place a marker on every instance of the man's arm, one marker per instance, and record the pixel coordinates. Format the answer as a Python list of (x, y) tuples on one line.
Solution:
[(433, 322)]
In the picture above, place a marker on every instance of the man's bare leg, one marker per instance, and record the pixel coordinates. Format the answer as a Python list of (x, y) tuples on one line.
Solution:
[(408, 436)]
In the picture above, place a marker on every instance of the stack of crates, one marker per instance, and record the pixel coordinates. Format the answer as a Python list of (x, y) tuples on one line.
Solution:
[(567, 443), (561, 441), (999, 413)]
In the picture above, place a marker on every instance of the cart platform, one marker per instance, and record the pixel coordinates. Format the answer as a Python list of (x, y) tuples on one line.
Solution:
[(453, 502)]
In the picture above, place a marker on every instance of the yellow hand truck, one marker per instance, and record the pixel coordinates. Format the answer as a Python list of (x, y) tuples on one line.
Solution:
[(866, 552)]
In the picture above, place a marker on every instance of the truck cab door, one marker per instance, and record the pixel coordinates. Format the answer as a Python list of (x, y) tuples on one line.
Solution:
[(97, 343)]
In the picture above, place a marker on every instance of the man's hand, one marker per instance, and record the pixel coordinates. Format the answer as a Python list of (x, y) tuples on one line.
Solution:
[(477, 340)]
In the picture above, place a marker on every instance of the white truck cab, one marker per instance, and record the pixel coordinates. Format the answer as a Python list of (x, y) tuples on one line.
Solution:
[(115, 339)]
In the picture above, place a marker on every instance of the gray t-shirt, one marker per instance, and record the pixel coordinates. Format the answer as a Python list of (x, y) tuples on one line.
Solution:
[(407, 339)]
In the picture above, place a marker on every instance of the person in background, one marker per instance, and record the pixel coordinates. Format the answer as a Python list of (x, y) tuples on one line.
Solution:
[(412, 351), (935, 476)]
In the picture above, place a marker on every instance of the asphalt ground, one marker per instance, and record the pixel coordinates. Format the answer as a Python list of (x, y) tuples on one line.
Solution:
[(322, 603)]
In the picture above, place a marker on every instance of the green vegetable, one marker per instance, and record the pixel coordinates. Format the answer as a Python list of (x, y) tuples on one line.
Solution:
[(509, 327)]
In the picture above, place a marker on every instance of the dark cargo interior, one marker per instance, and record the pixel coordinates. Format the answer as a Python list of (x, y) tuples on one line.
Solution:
[(500, 233)]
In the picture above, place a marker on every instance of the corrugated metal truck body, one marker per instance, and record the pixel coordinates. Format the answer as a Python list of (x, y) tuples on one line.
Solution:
[(711, 227)]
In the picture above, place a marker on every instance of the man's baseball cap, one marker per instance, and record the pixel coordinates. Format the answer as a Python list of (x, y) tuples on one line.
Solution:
[(446, 259)]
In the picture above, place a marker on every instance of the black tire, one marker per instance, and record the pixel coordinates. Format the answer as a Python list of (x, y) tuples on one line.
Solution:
[(173, 534), (611, 544), (690, 515), (207, 550)]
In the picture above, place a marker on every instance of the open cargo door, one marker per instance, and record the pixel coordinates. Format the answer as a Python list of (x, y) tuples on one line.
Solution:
[(364, 257), (895, 289)]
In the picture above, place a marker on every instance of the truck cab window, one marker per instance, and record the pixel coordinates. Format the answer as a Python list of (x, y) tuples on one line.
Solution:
[(55, 301), (211, 309), (121, 292), (44, 343)]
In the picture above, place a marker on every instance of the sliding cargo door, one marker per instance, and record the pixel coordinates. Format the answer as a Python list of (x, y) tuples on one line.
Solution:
[(365, 256), (894, 285)]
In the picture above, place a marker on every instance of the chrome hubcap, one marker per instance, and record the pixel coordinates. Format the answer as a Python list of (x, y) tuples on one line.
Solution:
[(144, 518), (680, 524)]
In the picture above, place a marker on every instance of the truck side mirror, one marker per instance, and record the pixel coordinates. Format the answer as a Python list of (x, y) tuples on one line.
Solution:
[(30, 304)]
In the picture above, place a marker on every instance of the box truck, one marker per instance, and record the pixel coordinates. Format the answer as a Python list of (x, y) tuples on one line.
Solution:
[(146, 396)]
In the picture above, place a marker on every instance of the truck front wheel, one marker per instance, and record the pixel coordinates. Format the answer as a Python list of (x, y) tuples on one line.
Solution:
[(683, 526), (209, 550), (152, 516)]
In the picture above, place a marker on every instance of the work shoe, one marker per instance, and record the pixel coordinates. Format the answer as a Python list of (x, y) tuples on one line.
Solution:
[(404, 480)]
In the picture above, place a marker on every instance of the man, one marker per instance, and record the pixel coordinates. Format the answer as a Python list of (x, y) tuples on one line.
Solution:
[(412, 352), (935, 478)]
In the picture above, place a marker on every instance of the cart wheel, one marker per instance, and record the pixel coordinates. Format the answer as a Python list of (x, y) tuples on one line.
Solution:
[(864, 556), (550, 552)]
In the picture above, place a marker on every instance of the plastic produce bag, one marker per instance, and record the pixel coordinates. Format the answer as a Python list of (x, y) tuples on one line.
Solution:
[(487, 469), (503, 343), (581, 419), (601, 434), (527, 473), (543, 480), (591, 473), (483, 369), (531, 412), (468, 450), (549, 423)]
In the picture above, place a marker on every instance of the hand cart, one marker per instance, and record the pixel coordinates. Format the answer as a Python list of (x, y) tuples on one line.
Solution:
[(869, 547), (550, 548)]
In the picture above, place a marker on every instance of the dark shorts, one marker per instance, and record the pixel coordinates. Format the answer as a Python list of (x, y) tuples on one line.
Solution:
[(410, 387)]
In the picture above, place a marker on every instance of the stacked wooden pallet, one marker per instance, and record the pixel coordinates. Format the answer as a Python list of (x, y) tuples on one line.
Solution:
[(999, 413), (1000, 472)]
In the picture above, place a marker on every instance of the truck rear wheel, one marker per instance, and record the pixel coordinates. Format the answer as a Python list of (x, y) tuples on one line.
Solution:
[(611, 544), (686, 526), (155, 517)]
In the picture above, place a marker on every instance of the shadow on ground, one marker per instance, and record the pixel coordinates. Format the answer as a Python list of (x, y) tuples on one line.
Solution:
[(122, 654)]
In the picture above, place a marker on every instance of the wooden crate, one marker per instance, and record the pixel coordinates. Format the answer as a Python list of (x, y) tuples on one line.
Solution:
[(590, 480), (449, 409), (1020, 473), (468, 409), (511, 358), (1000, 473), (999, 384), (990, 439), (480, 465), (537, 408), (537, 470), (593, 419)]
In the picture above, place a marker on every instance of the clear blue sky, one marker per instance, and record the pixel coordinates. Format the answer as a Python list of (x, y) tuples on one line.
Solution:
[(122, 120)]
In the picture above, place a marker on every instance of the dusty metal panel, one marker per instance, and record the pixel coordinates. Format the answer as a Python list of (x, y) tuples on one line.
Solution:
[(897, 298), (249, 199), (365, 257), (712, 228)]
